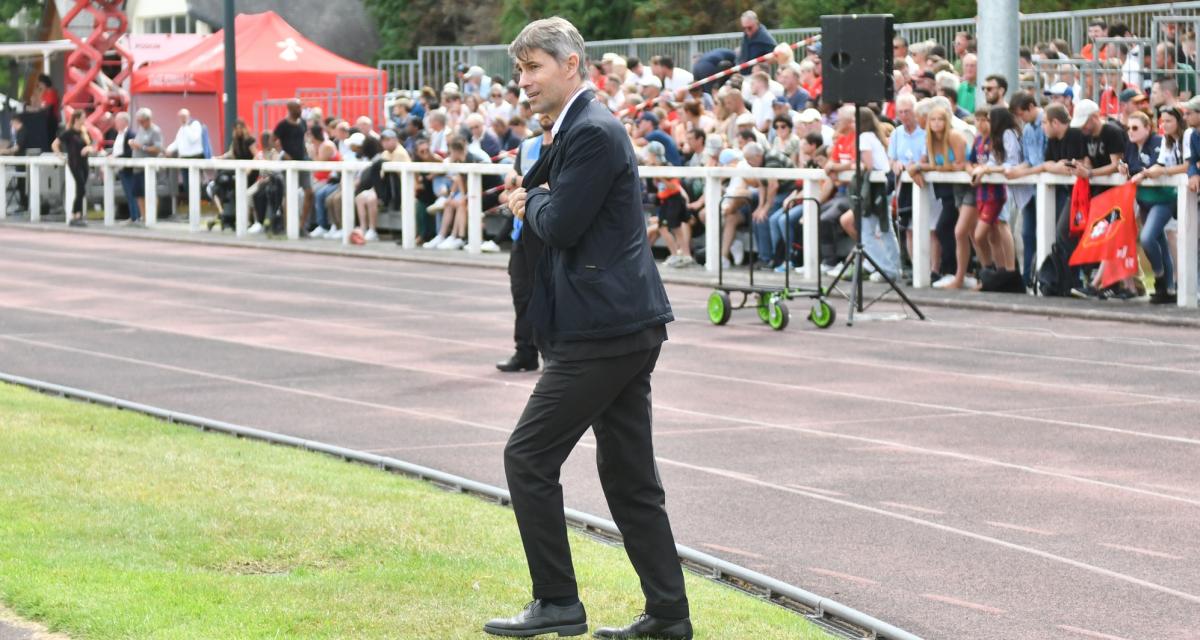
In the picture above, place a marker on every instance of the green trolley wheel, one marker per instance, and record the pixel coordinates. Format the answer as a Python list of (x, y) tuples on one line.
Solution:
[(778, 318), (822, 314), (719, 308), (764, 308)]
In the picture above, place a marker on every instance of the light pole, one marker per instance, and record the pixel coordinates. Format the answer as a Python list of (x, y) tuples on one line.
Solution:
[(231, 100)]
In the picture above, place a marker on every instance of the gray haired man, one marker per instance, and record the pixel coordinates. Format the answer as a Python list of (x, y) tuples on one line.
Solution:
[(599, 313)]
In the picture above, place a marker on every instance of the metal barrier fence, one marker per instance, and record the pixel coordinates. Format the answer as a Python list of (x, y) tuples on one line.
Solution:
[(434, 65), (923, 200)]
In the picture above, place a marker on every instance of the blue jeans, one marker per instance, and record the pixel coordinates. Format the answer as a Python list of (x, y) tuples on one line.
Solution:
[(129, 186), (1154, 240), (884, 249), (1029, 239), (779, 223), (319, 204)]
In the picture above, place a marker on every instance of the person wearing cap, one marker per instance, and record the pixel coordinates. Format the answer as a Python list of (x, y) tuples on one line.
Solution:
[(1104, 140), (810, 121), (648, 131), (649, 87), (476, 82), (756, 40), (745, 131), (1061, 93)]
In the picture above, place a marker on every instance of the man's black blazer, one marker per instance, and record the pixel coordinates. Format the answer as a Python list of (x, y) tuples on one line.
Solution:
[(597, 278)]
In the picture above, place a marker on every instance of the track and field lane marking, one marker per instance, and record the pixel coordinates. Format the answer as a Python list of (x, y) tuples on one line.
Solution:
[(965, 604), (1017, 527), (1142, 552), (843, 576), (734, 475), (529, 386), (1089, 633)]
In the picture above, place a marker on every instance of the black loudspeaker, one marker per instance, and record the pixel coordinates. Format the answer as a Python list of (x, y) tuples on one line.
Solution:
[(856, 58)]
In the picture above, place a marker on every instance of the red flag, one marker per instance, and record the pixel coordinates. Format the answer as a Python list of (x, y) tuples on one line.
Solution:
[(1110, 235), (1081, 195)]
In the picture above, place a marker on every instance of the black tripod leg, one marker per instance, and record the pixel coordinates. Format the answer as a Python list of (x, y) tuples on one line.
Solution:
[(855, 286), (891, 284)]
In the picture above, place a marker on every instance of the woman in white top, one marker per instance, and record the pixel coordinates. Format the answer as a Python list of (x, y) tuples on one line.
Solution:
[(879, 238)]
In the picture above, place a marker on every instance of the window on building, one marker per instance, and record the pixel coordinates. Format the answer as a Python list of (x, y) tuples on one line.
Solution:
[(169, 24)]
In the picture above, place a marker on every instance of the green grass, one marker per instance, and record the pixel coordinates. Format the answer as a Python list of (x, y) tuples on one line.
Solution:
[(116, 525)]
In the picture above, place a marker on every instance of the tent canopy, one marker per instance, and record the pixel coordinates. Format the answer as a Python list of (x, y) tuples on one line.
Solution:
[(273, 61)]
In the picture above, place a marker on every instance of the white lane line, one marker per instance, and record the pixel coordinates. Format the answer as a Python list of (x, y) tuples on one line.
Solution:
[(843, 576), (939, 452), (826, 492), (966, 604), (1089, 633), (1141, 551), (734, 550), (426, 447), (1017, 527), (724, 473), (912, 507), (926, 405), (861, 363), (529, 386)]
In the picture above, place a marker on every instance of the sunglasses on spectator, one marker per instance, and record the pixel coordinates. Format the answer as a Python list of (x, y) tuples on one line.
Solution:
[(1134, 128)]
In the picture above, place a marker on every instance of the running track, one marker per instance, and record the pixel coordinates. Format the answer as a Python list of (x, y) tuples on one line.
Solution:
[(980, 475)]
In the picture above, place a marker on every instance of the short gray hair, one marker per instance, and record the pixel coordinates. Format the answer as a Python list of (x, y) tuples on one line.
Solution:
[(750, 15), (145, 113), (752, 150), (556, 36)]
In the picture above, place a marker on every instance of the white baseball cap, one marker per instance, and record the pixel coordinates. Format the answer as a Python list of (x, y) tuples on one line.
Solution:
[(809, 116), (649, 81), (1084, 109), (356, 139)]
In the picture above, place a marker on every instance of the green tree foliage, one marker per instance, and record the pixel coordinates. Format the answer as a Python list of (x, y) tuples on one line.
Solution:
[(595, 20)]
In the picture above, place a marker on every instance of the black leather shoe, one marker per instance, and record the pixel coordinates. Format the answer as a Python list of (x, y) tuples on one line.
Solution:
[(541, 617), (647, 626), (518, 363)]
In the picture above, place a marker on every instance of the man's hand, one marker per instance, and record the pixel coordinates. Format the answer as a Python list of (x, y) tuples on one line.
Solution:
[(1082, 171), (1194, 184), (516, 202)]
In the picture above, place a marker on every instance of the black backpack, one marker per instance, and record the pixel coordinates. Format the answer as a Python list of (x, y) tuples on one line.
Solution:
[(1054, 276)]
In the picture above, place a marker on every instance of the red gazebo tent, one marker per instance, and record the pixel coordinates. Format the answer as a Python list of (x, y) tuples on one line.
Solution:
[(273, 61)]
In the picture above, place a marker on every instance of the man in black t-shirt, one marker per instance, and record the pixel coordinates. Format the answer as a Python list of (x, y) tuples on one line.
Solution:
[(1066, 152), (289, 138)]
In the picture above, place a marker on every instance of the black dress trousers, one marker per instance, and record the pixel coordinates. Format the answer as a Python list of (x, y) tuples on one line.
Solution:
[(521, 264), (611, 395)]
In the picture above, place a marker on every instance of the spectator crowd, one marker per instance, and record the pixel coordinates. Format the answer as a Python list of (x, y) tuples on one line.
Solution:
[(1133, 113)]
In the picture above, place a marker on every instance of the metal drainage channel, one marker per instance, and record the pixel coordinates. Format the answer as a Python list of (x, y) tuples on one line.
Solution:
[(832, 616)]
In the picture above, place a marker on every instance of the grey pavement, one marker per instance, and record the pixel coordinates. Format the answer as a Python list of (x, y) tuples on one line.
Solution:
[(979, 475)]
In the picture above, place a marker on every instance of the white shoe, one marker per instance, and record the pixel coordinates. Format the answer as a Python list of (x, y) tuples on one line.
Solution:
[(433, 244), (831, 270), (726, 263), (943, 282), (970, 282), (490, 247), (452, 243), (876, 277), (868, 267), (371, 235), (685, 261), (319, 232), (672, 261), (739, 252), (255, 228), (437, 205), (336, 234)]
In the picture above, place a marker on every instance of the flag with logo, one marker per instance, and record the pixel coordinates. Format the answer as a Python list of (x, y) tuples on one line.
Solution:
[(1081, 197), (1110, 235)]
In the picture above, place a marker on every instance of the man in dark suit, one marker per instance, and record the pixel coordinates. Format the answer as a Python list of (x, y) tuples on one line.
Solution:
[(599, 313)]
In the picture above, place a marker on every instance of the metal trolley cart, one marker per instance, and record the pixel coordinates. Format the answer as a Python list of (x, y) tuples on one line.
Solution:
[(770, 302)]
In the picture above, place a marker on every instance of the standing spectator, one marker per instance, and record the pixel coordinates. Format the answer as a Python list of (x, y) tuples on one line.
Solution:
[(146, 143), (966, 88), (993, 238), (1033, 154), (906, 148), (878, 239), (46, 98), (189, 139), (1157, 204), (756, 40), (1168, 67), (76, 144), (946, 150), (121, 149), (289, 140)]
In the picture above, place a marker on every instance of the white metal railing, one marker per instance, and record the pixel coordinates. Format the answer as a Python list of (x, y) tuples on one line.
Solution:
[(1186, 271)]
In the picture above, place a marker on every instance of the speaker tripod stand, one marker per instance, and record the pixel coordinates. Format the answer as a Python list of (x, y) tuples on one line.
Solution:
[(858, 255)]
